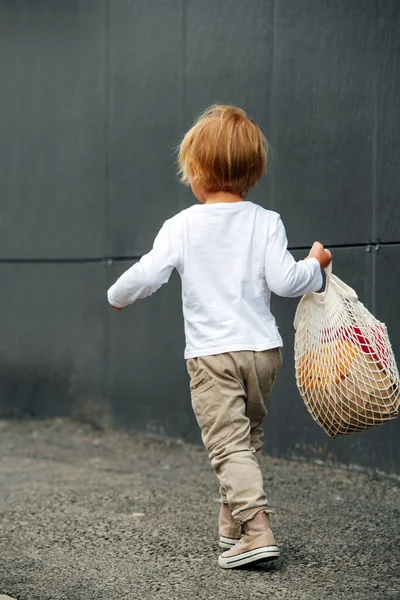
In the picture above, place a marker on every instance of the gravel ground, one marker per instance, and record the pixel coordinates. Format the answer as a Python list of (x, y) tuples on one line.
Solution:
[(98, 515)]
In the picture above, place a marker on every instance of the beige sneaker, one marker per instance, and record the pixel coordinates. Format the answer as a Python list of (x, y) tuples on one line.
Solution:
[(229, 531), (256, 545)]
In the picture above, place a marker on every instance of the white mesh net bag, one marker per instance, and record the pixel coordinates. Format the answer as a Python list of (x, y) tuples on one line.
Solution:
[(345, 367)]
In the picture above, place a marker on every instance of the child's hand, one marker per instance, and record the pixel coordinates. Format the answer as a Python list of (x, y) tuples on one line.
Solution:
[(323, 256)]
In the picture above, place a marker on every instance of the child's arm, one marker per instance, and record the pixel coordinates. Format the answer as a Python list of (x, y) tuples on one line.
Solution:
[(150, 273), (285, 276)]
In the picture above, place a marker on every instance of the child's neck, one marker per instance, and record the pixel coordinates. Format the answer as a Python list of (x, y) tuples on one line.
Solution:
[(213, 197)]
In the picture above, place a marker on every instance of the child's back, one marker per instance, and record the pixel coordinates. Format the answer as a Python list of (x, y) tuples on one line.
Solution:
[(232, 255)]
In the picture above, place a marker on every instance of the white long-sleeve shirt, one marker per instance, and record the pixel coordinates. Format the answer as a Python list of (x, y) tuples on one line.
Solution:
[(230, 257)]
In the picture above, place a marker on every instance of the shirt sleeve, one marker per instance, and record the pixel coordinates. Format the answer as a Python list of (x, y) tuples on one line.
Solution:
[(284, 276), (151, 272)]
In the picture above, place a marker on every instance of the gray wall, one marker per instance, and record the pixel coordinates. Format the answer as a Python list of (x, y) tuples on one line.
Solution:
[(94, 97)]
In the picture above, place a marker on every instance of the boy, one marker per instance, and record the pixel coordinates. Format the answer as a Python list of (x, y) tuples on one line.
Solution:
[(231, 254)]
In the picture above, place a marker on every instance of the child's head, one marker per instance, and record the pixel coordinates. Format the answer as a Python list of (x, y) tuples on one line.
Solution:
[(223, 151)]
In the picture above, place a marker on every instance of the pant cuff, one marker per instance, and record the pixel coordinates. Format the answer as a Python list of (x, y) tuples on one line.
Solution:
[(246, 515)]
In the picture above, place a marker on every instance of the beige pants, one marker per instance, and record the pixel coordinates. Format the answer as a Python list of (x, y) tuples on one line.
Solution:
[(229, 392)]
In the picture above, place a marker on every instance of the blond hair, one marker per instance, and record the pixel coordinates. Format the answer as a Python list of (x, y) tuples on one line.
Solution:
[(223, 151)]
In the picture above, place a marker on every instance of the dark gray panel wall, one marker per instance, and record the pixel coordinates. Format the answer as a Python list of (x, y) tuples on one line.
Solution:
[(95, 97), (388, 122), (387, 448), (228, 59), (52, 343), (52, 130), (322, 119), (146, 62)]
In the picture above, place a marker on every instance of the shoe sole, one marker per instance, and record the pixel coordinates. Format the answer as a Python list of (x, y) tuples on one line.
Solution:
[(252, 556), (227, 543)]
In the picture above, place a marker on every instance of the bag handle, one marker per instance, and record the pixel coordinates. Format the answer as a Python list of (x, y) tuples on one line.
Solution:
[(320, 298), (345, 290), (337, 284), (328, 269), (328, 276)]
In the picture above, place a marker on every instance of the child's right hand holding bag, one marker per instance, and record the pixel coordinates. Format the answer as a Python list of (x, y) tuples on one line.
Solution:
[(345, 367)]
